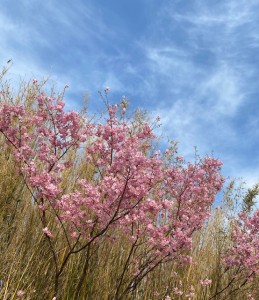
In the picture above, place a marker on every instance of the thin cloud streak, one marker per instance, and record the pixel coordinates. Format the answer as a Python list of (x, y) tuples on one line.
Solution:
[(195, 65), (216, 95)]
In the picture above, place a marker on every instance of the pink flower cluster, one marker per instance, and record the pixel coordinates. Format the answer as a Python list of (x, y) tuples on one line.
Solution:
[(20, 293), (245, 249), (40, 139), (133, 190), (206, 282)]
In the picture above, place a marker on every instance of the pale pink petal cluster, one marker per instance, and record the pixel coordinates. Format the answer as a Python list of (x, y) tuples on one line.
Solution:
[(245, 249), (205, 282), (20, 293), (47, 232)]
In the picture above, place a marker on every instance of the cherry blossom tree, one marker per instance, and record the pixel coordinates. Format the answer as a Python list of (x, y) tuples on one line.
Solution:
[(155, 199), (243, 254)]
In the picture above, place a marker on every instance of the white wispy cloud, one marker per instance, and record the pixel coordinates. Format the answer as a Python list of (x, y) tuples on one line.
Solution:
[(207, 97), (223, 90), (229, 14), (194, 65)]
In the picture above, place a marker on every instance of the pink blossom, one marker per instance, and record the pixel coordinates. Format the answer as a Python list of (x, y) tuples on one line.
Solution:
[(205, 282), (245, 247), (190, 295), (47, 232), (20, 293), (177, 291)]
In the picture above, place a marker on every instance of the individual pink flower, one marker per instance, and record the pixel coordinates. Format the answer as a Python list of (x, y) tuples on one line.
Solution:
[(47, 232), (107, 89), (74, 235), (205, 282), (180, 158), (20, 293), (177, 291), (190, 295)]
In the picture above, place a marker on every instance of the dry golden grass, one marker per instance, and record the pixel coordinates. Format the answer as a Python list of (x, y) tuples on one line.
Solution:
[(26, 262)]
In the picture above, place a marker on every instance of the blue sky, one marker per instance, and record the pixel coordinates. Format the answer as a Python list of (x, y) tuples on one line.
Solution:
[(195, 63)]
